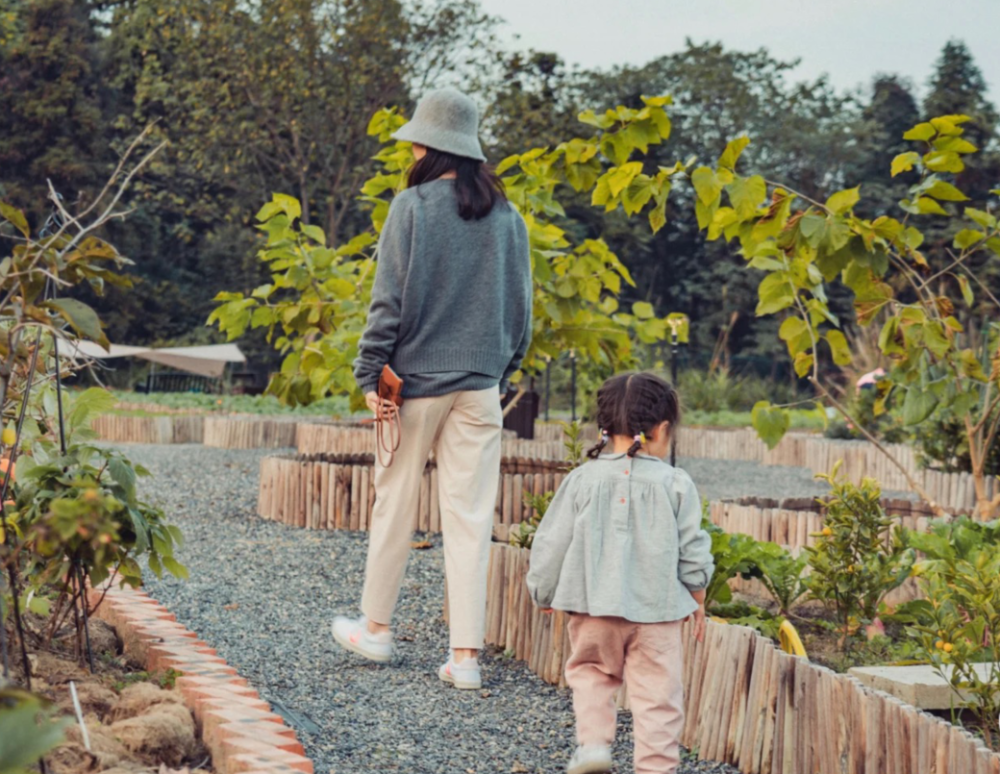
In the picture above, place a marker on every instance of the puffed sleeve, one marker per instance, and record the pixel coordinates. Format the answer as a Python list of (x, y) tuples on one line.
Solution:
[(551, 542), (696, 564)]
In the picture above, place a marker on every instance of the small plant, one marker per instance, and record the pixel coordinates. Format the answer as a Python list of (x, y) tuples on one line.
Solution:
[(957, 625), (573, 444), (859, 557), (523, 534), (744, 614), (781, 575), (734, 555)]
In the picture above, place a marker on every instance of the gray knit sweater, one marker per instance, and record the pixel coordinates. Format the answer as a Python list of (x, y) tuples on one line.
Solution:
[(451, 296)]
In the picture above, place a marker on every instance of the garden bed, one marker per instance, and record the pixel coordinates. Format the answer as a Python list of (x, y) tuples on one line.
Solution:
[(134, 720), (748, 703)]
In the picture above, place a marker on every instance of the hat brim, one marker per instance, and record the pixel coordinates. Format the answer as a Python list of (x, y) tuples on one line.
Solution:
[(440, 139)]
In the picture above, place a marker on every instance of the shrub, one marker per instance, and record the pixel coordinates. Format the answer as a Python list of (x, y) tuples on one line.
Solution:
[(78, 514), (957, 625), (859, 556)]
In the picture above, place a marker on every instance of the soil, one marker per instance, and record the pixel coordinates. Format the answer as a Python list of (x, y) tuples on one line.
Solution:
[(136, 722)]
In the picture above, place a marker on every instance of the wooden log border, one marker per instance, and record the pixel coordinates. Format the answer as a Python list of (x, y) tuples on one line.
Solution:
[(749, 704), (250, 432), (156, 429), (337, 491)]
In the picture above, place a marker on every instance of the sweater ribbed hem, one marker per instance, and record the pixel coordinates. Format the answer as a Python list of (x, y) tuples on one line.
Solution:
[(476, 361)]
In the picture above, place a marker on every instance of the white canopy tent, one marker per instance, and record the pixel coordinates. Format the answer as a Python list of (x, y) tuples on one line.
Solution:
[(209, 360)]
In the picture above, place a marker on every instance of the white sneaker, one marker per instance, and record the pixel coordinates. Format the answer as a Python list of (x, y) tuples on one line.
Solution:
[(590, 758), (466, 675), (352, 634)]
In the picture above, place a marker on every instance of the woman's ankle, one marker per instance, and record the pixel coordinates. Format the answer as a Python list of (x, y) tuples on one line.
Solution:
[(458, 655), (377, 628)]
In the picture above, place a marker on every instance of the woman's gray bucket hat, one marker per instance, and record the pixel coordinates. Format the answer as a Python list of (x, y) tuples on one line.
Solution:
[(446, 120)]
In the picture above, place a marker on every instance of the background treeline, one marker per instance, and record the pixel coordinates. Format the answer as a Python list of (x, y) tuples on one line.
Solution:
[(257, 96)]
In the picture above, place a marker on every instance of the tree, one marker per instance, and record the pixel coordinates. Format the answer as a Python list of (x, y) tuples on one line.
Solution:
[(802, 244), (51, 123)]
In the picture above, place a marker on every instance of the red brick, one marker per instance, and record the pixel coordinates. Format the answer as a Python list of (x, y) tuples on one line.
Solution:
[(247, 703), (214, 717), (274, 762), (236, 743)]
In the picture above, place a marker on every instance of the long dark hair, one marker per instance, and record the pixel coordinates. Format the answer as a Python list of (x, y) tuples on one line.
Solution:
[(633, 404), (477, 186)]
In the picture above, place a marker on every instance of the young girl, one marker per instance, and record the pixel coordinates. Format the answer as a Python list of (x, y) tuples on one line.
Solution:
[(621, 548)]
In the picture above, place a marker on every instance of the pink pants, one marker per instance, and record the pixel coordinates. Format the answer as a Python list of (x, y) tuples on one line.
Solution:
[(650, 658)]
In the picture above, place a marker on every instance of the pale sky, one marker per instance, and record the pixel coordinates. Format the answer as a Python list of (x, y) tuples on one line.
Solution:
[(850, 40)]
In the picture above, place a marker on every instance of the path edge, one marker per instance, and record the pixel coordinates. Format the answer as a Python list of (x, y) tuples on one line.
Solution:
[(238, 727)]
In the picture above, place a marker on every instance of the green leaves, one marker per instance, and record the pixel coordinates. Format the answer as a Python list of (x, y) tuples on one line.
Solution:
[(946, 192), (904, 162), (734, 149), (843, 201), (81, 318), (15, 217), (28, 730), (918, 404), (839, 347), (706, 184), (747, 194), (776, 293), (770, 422), (921, 132)]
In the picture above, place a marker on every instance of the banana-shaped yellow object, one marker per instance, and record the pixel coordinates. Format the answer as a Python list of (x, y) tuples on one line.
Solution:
[(790, 641)]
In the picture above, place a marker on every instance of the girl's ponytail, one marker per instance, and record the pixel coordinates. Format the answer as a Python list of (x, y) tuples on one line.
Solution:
[(595, 451)]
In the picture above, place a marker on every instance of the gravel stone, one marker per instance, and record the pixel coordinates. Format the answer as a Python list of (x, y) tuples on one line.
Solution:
[(264, 595)]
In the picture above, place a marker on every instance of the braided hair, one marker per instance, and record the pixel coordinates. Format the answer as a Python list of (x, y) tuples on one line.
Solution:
[(632, 405)]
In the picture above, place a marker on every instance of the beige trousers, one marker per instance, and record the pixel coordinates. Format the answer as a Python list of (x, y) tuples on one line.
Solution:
[(464, 429), (650, 659)]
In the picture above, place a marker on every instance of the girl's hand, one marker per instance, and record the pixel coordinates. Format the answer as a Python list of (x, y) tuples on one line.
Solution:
[(698, 618)]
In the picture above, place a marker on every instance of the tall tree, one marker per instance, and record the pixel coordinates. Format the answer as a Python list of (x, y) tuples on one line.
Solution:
[(50, 123)]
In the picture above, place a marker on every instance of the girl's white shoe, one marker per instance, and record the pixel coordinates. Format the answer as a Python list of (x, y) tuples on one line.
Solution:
[(590, 758), (466, 675), (353, 635)]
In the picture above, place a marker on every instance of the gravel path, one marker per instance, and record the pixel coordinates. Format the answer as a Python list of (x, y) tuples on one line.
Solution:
[(263, 594)]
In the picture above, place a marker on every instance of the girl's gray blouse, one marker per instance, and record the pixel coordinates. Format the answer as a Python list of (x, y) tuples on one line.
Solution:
[(622, 538)]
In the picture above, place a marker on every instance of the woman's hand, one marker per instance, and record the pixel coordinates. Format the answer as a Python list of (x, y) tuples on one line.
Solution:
[(374, 404)]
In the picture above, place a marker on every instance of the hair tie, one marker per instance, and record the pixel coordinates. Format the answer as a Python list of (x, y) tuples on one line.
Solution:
[(605, 435), (640, 439)]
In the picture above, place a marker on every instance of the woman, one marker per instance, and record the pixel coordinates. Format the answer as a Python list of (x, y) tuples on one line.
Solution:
[(451, 314)]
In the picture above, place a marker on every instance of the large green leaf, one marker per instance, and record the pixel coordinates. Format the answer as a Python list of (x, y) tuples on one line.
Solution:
[(706, 184), (88, 404), (27, 730), (15, 217), (918, 405), (81, 319), (839, 347), (747, 194), (734, 149), (842, 201), (770, 422)]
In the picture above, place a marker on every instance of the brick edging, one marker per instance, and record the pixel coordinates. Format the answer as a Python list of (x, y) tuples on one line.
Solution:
[(237, 726)]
